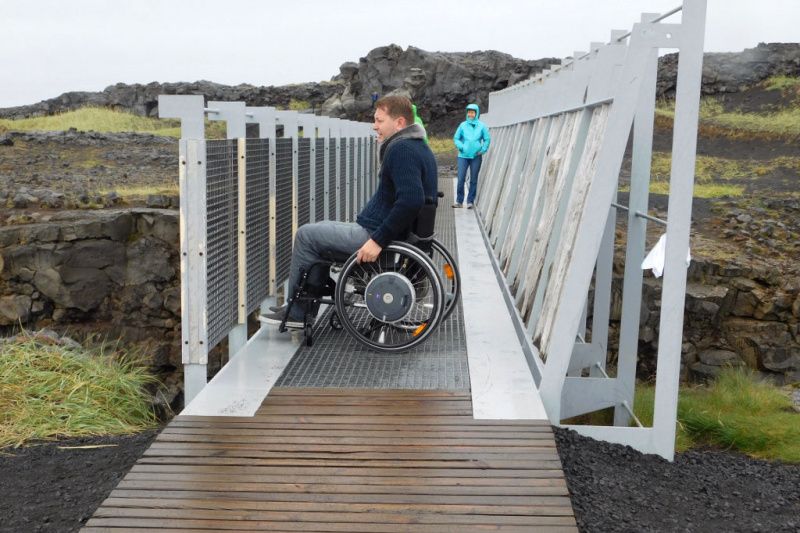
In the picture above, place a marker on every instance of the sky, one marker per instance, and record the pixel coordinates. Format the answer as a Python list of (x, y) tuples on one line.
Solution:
[(53, 46)]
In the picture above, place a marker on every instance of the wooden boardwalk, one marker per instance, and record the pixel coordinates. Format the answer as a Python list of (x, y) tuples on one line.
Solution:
[(344, 460)]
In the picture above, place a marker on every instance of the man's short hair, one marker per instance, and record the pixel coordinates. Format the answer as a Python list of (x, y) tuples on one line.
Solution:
[(396, 107)]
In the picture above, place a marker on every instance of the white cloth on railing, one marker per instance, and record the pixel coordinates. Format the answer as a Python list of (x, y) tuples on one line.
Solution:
[(655, 259)]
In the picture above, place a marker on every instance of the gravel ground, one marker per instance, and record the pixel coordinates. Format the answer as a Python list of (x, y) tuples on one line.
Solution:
[(56, 487), (615, 488)]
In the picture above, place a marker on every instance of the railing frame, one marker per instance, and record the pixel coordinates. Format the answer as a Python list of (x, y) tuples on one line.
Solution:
[(569, 371), (192, 112)]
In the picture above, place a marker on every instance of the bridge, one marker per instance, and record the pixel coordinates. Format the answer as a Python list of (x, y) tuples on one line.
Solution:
[(456, 433)]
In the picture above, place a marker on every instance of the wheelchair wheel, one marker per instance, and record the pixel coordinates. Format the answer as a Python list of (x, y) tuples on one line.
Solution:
[(309, 333), (393, 303), (448, 272)]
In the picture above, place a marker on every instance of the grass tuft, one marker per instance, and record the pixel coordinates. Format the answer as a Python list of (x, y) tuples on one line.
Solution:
[(49, 391), (737, 411)]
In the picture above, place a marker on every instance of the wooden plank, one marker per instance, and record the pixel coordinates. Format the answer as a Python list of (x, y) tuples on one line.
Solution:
[(353, 440), (303, 488), (377, 481), (347, 503), (346, 431), (212, 495), (222, 423), (398, 419), (519, 476), (534, 470), (150, 524)]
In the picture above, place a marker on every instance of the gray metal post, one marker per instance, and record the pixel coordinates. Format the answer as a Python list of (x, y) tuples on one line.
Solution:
[(636, 232), (192, 224), (673, 295)]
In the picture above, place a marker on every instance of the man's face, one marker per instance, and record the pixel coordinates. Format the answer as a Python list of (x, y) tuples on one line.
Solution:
[(471, 113), (386, 126)]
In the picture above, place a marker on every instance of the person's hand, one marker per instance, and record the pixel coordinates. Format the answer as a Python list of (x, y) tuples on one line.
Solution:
[(368, 252)]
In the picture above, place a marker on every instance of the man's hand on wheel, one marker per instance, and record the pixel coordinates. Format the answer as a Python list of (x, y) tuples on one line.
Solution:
[(369, 252)]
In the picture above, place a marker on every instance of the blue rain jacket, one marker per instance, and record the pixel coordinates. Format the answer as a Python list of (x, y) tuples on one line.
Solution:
[(472, 136)]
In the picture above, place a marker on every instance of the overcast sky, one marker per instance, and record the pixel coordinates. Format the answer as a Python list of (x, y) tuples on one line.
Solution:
[(53, 46)]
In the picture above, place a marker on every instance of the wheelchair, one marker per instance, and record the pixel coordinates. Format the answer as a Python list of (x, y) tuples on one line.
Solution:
[(392, 304)]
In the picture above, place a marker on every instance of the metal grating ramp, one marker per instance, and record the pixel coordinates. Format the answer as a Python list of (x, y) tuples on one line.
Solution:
[(319, 180), (283, 208), (333, 182), (336, 360), (257, 221), (303, 181), (222, 205), (352, 181), (344, 181)]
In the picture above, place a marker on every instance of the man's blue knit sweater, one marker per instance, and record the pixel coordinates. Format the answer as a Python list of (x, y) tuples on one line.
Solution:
[(407, 180)]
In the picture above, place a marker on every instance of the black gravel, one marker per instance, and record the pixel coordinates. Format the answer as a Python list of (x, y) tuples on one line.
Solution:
[(46, 488), (615, 488), (54, 487)]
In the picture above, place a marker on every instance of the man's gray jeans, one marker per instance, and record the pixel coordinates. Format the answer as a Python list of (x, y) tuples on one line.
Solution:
[(320, 241)]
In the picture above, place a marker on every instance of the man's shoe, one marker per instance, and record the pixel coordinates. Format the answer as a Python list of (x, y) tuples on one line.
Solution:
[(469, 206), (457, 205), (278, 308), (276, 318)]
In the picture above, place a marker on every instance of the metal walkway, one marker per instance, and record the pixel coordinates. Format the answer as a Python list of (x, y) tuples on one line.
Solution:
[(447, 437), (337, 360)]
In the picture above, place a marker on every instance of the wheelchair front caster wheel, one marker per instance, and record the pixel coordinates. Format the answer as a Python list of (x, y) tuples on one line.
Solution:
[(309, 335), (334, 321)]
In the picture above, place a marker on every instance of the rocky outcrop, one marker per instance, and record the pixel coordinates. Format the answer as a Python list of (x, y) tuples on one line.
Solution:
[(440, 83), (735, 315), (117, 270), (733, 72)]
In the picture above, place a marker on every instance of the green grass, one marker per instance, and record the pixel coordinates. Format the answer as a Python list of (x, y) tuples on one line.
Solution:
[(781, 83), (141, 190), (106, 121), (701, 190), (714, 120), (736, 412), (442, 145), (49, 391), (710, 171)]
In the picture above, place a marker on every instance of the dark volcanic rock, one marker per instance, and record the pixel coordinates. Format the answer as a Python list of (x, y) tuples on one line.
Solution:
[(733, 72), (440, 83)]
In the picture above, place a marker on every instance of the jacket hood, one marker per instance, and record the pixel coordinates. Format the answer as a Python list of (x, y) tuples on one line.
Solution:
[(475, 108)]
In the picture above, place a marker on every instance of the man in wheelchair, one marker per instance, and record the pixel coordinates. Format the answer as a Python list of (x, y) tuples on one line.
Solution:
[(407, 183)]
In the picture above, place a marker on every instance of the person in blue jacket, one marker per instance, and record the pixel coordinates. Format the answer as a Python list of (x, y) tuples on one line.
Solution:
[(472, 140)]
